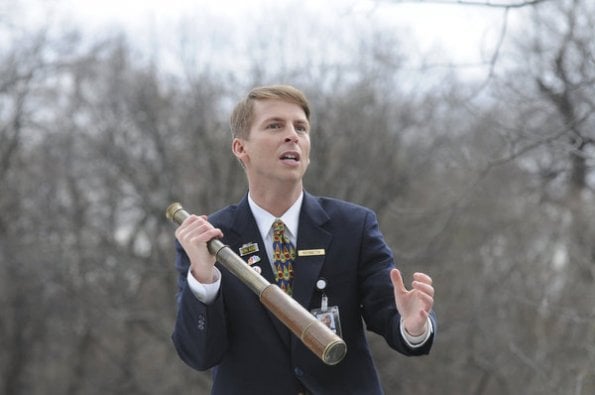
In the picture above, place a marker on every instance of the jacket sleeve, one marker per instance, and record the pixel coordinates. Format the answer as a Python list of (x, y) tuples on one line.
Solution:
[(200, 331), (376, 291)]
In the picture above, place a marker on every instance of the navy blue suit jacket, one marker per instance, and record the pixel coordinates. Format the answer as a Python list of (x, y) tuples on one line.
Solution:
[(250, 351)]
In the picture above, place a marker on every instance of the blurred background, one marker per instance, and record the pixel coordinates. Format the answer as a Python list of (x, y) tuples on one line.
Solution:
[(468, 126)]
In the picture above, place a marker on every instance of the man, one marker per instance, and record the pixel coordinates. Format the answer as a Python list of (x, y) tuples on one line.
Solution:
[(337, 258)]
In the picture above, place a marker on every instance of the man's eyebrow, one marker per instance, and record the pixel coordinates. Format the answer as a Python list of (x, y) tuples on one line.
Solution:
[(272, 119), (281, 119)]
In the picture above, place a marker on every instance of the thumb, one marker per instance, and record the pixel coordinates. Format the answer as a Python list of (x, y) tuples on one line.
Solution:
[(397, 280)]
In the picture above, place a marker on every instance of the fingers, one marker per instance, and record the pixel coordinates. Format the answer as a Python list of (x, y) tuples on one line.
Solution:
[(422, 277), (424, 292), (423, 287), (421, 281), (426, 300), (197, 229), (194, 234), (397, 280)]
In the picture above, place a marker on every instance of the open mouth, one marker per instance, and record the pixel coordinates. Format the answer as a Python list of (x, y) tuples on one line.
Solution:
[(290, 156)]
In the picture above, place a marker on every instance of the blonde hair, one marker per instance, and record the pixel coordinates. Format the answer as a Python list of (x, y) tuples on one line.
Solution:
[(243, 114)]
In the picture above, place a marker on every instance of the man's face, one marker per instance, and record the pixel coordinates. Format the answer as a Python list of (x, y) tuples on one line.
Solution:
[(278, 145)]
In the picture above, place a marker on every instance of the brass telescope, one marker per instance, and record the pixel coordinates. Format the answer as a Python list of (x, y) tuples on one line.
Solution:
[(315, 335)]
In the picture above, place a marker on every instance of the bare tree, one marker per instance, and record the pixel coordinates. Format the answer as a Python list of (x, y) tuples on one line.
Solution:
[(488, 193)]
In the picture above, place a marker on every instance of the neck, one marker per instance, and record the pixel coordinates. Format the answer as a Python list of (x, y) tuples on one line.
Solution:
[(275, 200)]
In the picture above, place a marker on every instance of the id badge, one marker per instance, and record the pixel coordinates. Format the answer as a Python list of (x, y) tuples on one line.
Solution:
[(328, 315)]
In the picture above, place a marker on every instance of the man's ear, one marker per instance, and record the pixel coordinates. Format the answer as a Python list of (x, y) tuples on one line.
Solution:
[(238, 149)]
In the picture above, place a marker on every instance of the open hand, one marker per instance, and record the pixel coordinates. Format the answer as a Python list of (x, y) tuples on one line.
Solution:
[(414, 305)]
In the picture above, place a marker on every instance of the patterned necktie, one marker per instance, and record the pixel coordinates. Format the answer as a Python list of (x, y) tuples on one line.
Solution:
[(283, 257)]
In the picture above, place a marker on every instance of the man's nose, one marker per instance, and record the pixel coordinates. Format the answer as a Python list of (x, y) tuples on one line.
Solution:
[(292, 134)]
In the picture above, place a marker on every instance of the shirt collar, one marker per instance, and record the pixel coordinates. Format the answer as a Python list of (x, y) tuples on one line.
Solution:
[(264, 219)]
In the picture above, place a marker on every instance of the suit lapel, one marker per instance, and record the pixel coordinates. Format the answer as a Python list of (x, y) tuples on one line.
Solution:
[(245, 230), (311, 236)]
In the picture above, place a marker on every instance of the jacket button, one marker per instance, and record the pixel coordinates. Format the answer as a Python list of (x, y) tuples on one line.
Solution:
[(298, 372)]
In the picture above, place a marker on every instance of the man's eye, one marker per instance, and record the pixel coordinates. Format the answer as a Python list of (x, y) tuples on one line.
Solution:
[(301, 128), (273, 125)]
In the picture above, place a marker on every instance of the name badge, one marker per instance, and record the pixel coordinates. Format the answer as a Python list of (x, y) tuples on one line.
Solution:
[(317, 252)]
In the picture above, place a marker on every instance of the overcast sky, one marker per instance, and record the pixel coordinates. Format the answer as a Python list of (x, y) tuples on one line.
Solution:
[(465, 34)]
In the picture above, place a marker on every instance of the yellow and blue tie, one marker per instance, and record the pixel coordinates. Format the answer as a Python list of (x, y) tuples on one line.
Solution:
[(283, 257)]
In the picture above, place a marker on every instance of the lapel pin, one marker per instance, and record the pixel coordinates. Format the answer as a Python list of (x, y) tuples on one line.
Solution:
[(253, 259), (248, 248)]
